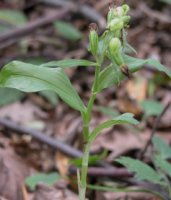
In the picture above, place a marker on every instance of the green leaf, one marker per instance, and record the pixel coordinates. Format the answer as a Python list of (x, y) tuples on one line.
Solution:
[(127, 47), (50, 96), (8, 95), (93, 159), (151, 107), (69, 63), (35, 60), (164, 165), (68, 31), (142, 171), (31, 78), (136, 63), (156, 64), (126, 118), (48, 179), (161, 146), (110, 76), (11, 17)]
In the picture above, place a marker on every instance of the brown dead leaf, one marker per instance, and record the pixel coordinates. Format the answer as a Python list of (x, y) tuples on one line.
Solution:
[(62, 163), (24, 192), (126, 105), (2, 198), (23, 113), (119, 142), (44, 192), (137, 89), (12, 172), (123, 196), (129, 98)]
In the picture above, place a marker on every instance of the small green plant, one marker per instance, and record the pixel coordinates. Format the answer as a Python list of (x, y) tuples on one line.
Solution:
[(160, 175), (112, 65)]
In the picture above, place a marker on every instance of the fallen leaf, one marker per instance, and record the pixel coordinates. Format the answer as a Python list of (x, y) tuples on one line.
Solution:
[(22, 113), (114, 141), (44, 192), (124, 195), (137, 89), (127, 105), (62, 163), (12, 172)]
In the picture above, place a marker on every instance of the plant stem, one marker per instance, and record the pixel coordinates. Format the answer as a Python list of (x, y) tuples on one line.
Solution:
[(94, 91), (84, 170), (86, 121)]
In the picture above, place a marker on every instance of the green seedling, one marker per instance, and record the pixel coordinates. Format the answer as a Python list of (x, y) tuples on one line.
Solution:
[(111, 48), (160, 176)]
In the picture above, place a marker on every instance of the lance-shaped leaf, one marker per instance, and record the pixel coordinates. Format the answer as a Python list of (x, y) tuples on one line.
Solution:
[(13, 17), (69, 63), (31, 78), (163, 149), (136, 63), (47, 179), (126, 118), (110, 76), (164, 165), (142, 170)]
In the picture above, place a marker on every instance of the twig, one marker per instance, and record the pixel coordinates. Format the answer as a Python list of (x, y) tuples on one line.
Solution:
[(104, 172), (56, 144), (31, 26), (157, 122), (85, 10), (159, 16)]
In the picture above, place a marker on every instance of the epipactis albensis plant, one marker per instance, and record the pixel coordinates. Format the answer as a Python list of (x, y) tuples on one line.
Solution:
[(112, 65)]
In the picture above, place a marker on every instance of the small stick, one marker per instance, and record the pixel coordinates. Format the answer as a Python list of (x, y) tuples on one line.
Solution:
[(54, 143), (30, 27), (105, 172), (87, 11), (154, 129)]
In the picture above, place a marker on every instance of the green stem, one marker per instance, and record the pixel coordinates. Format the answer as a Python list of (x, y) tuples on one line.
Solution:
[(94, 91), (86, 121), (95, 84), (84, 170), (90, 105)]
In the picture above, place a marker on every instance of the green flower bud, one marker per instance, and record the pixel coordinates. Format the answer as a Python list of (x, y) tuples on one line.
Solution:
[(125, 8), (93, 39), (114, 45), (126, 20), (118, 59), (116, 24), (115, 51)]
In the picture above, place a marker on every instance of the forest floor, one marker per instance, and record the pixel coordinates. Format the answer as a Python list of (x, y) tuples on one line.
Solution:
[(24, 152)]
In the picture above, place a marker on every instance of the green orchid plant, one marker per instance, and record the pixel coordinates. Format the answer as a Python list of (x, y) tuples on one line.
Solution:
[(111, 64)]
